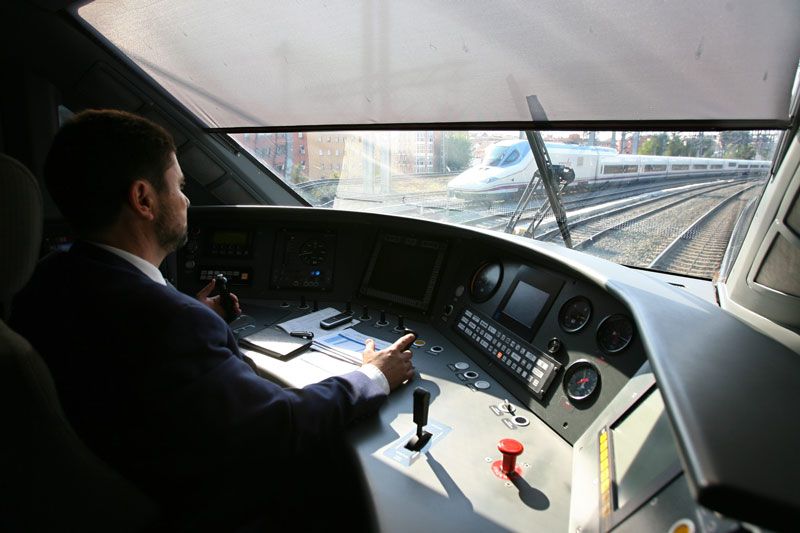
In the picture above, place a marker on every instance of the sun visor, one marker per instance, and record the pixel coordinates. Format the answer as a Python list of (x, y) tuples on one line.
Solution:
[(347, 62)]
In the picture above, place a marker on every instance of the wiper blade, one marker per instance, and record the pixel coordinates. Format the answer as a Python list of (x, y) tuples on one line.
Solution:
[(549, 176)]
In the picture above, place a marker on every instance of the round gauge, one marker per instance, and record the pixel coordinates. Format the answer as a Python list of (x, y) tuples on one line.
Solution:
[(575, 314), (485, 281), (615, 333), (313, 252), (581, 381)]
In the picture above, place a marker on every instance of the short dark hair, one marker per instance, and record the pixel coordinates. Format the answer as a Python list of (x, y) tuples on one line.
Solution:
[(94, 159)]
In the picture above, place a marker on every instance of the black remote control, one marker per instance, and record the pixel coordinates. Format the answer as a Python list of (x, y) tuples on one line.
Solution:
[(335, 320)]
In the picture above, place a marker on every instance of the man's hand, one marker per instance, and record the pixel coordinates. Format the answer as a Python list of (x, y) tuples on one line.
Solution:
[(394, 361), (214, 303)]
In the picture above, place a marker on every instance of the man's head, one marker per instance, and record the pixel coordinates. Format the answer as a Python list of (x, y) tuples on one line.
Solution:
[(103, 162)]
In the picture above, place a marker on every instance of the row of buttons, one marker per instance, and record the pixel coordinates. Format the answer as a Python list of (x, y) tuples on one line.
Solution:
[(228, 249), (232, 275), (534, 370)]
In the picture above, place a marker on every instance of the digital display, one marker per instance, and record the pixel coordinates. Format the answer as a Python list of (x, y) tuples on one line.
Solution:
[(237, 238), (525, 304), (404, 270), (644, 448)]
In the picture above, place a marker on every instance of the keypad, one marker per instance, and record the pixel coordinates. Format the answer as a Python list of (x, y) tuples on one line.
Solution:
[(524, 362)]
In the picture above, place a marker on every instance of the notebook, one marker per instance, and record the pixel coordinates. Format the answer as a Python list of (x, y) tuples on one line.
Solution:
[(274, 342)]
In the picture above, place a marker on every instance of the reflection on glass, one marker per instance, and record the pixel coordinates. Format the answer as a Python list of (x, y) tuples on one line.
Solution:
[(661, 200)]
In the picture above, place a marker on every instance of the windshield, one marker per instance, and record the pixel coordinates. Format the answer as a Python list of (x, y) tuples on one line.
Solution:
[(666, 201)]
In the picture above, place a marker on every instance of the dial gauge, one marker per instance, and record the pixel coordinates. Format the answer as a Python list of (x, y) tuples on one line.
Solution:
[(581, 381), (614, 334), (313, 252), (485, 281), (575, 314)]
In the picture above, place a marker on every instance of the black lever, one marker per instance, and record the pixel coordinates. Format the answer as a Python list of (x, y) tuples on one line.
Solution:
[(225, 297), (422, 400)]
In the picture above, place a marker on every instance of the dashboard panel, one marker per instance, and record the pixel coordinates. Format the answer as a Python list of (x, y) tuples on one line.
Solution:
[(516, 339), (505, 314)]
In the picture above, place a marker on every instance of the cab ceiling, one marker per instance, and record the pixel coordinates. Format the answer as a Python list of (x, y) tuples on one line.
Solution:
[(252, 63)]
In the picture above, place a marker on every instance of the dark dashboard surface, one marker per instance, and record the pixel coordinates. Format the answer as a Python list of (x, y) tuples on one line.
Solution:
[(562, 346), (516, 339)]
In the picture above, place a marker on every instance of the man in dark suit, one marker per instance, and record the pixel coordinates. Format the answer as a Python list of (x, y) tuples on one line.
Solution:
[(151, 378)]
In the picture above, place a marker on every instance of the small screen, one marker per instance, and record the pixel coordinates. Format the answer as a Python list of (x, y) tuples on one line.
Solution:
[(404, 270), (229, 237), (644, 448), (525, 304)]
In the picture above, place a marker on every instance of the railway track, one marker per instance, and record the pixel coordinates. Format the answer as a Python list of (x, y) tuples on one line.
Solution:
[(586, 230), (698, 251), (637, 242)]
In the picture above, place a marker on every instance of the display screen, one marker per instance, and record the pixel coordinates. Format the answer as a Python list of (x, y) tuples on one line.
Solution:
[(525, 304), (404, 270), (644, 448), (239, 238)]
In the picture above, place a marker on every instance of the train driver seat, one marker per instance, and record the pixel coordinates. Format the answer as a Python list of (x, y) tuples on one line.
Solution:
[(50, 480)]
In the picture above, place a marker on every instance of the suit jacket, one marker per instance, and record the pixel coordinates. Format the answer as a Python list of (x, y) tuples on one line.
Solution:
[(154, 383)]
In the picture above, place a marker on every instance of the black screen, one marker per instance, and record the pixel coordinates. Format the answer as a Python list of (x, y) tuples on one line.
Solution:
[(525, 304), (404, 270)]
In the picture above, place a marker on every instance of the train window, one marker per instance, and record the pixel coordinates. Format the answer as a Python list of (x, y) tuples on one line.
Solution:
[(467, 177), (512, 157)]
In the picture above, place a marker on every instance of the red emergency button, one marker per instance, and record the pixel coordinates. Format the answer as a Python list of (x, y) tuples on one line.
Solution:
[(510, 449)]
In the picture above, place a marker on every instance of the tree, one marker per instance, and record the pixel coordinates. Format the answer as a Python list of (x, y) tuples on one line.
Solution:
[(655, 145), (298, 175), (737, 144), (457, 152)]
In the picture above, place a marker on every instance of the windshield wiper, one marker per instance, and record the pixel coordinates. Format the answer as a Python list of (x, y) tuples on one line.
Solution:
[(549, 176)]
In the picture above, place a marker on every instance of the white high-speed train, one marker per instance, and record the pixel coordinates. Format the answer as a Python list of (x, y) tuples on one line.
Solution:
[(508, 166)]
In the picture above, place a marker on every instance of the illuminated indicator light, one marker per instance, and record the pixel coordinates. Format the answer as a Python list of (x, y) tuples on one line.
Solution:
[(499, 355), (245, 275)]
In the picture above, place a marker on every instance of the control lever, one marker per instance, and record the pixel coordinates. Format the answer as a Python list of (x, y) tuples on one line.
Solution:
[(422, 400), (401, 323), (364, 313), (225, 297)]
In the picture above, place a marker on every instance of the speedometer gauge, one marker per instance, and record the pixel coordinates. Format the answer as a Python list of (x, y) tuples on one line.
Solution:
[(575, 314), (614, 334), (485, 281), (581, 381)]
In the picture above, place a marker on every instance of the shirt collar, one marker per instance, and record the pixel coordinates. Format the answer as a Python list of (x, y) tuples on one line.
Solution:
[(147, 268)]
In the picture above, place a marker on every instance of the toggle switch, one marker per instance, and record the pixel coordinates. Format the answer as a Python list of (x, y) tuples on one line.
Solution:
[(364, 313), (382, 321)]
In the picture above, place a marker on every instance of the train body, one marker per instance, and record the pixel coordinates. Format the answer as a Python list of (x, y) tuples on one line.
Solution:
[(509, 164)]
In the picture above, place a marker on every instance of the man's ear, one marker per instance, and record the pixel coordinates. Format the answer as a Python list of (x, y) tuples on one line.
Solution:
[(142, 199)]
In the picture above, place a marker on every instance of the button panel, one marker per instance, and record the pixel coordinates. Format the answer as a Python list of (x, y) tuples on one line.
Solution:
[(526, 363), (236, 276)]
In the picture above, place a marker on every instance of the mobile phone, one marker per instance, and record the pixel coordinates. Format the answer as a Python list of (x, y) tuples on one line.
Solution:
[(335, 320)]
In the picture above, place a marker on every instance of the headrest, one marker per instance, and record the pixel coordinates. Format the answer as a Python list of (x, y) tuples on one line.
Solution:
[(20, 226)]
